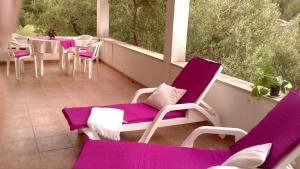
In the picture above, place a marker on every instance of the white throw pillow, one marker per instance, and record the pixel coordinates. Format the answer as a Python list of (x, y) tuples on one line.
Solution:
[(251, 157), (165, 95)]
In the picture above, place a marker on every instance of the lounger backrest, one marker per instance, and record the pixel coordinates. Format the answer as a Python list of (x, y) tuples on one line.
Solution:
[(196, 77), (281, 127)]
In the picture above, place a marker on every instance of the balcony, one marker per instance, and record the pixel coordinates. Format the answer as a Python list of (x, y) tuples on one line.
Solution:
[(31, 115), (35, 134)]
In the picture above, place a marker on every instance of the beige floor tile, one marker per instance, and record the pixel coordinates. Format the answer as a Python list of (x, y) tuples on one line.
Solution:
[(15, 148), (60, 159), (30, 161), (9, 135), (53, 142), (46, 131)]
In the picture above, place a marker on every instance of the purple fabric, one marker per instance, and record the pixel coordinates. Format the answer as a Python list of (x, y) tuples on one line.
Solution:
[(21, 53), (195, 77), (133, 113), (86, 54), (129, 155), (65, 42), (281, 127)]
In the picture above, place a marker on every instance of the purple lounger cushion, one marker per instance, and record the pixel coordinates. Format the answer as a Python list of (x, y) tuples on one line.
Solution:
[(281, 127), (129, 155), (133, 113), (197, 67)]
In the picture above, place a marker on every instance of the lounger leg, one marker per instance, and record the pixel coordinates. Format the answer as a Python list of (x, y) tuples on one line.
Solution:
[(148, 133), (61, 59), (90, 68), (7, 67)]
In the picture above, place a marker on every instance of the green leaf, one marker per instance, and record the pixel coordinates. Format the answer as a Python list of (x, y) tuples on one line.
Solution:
[(264, 91), (255, 92)]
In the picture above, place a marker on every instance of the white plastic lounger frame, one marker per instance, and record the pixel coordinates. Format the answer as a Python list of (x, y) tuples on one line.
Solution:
[(197, 112), (238, 133)]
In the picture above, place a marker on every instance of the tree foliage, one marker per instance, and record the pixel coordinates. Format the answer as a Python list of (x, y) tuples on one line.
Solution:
[(69, 16), (244, 35), (140, 22), (241, 34)]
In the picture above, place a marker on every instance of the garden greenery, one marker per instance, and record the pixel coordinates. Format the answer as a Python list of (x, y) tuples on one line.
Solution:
[(241, 34)]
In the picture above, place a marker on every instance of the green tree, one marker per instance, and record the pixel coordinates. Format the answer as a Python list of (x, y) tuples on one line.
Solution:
[(69, 16), (140, 22), (243, 35)]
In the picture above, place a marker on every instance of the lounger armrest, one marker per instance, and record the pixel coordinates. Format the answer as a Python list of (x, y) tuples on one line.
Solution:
[(140, 92), (214, 118), (189, 141)]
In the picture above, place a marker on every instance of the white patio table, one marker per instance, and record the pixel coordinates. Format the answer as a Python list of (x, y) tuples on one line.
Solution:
[(60, 45)]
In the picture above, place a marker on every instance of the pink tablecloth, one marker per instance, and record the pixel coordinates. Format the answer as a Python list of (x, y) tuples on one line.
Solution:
[(65, 42)]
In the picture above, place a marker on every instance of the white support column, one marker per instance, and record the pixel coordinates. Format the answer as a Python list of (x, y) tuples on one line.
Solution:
[(102, 18), (176, 33)]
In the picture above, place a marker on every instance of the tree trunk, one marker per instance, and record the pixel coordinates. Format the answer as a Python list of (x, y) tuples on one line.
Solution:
[(74, 25), (134, 23)]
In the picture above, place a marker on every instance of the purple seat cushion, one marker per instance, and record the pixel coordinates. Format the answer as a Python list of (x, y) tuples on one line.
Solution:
[(86, 54), (21, 53), (195, 77), (281, 127), (133, 113), (129, 155)]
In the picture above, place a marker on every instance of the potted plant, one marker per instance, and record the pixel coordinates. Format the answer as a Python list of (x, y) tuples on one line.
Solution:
[(52, 32), (267, 83)]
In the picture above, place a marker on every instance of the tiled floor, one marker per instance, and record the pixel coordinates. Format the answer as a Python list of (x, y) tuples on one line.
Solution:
[(33, 131)]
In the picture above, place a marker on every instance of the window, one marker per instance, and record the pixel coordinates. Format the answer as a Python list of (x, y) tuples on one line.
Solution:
[(245, 35)]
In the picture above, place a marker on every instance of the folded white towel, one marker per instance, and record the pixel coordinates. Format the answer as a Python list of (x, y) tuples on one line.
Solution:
[(106, 122)]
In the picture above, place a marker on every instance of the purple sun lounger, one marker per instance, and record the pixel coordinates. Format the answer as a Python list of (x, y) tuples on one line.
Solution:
[(281, 127), (196, 77)]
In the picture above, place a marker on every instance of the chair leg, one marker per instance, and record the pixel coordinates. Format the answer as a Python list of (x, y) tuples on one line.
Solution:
[(17, 68), (61, 59), (42, 66), (90, 68), (7, 67), (74, 64), (35, 66), (84, 65), (22, 67), (98, 64)]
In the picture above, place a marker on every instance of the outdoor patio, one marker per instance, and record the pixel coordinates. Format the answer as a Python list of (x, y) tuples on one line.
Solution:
[(35, 135)]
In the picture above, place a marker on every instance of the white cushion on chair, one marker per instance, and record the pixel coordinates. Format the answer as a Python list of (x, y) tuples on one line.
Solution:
[(165, 95), (248, 158)]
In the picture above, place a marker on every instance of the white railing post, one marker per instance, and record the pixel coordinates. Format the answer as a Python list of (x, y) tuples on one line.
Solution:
[(102, 18), (175, 33)]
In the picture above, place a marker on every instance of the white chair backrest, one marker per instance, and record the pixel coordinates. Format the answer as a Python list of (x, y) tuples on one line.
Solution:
[(19, 38), (83, 40), (95, 48)]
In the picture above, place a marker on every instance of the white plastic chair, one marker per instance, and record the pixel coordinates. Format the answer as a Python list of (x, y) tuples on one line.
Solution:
[(19, 52), (88, 55), (83, 40)]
